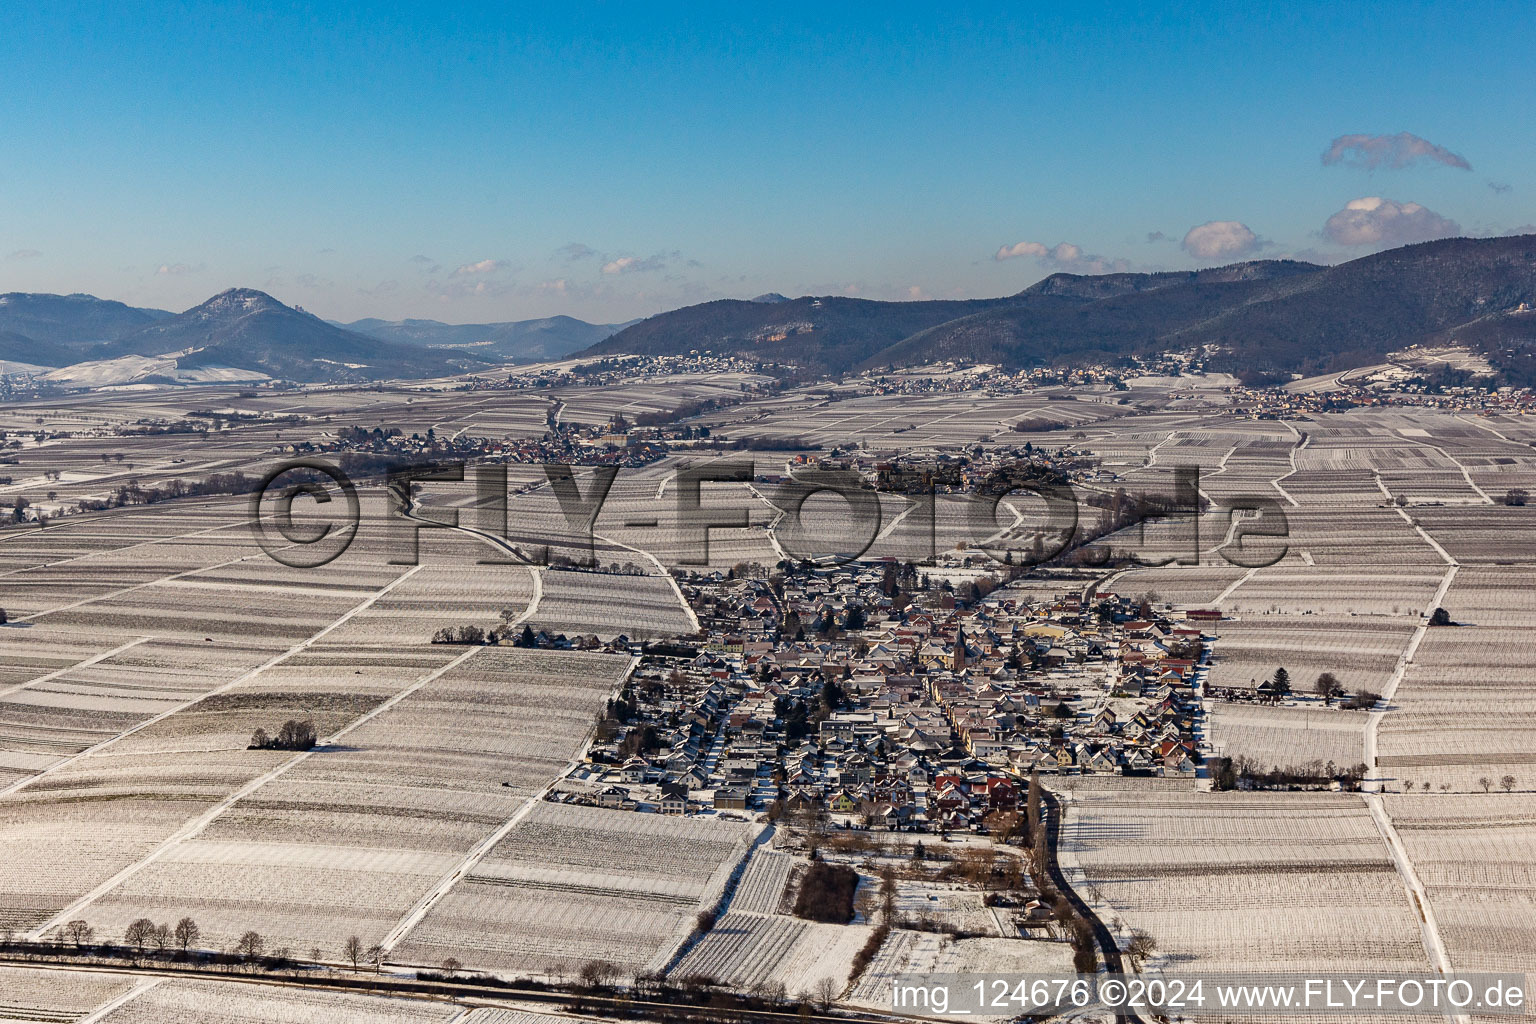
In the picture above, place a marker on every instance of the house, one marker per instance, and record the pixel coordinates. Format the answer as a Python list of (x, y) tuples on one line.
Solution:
[(674, 798), (730, 799)]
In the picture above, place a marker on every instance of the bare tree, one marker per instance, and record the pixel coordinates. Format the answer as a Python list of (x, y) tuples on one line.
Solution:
[(161, 937), (354, 950), (826, 993), (139, 932), (1507, 783), (250, 945), (1141, 946), (376, 957), (1486, 783), (78, 932), (597, 973), (187, 932), (451, 967)]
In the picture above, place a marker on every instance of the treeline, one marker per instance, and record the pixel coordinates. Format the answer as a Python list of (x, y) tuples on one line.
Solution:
[(1246, 773), (294, 735)]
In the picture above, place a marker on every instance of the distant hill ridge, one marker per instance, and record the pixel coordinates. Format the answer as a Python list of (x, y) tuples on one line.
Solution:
[(553, 337), (248, 330), (1260, 319)]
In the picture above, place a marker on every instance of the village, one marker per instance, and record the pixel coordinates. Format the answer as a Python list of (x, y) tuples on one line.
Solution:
[(859, 696)]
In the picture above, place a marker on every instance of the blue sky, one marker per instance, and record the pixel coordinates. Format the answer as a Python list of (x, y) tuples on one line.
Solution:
[(609, 161)]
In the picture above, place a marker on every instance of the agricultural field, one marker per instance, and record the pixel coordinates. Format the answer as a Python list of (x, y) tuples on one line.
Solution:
[(1293, 591), (945, 906), (570, 884), (763, 884), (1473, 854), (906, 953), (371, 823), (636, 606), (747, 950), (1362, 653), (56, 997), (1463, 710), (1287, 736), (216, 1002), (1182, 587), (1245, 881)]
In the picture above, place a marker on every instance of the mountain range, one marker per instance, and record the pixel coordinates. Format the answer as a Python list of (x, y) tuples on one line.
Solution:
[(244, 334), (1262, 320)]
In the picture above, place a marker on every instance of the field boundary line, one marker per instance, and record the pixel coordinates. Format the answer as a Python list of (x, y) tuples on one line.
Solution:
[(1429, 928), (191, 829), (1399, 671), (1453, 460), (677, 590), (297, 648), (536, 571), (1275, 482), (1428, 540), (480, 850), (1484, 426), (101, 1012), (1244, 578), (773, 537), (94, 659)]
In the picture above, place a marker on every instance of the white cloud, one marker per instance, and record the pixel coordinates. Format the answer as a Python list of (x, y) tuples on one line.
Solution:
[(483, 267), (1372, 220), (1220, 240), (1392, 151), (915, 292), (176, 269), (575, 251), (635, 265), (1009, 252), (25, 254), (1062, 256), (556, 286)]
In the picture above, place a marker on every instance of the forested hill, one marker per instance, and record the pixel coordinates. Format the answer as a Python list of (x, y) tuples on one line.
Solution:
[(1255, 318)]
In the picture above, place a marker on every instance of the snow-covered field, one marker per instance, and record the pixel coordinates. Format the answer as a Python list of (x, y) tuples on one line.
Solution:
[(214, 1002), (747, 950), (1245, 881), (344, 840), (572, 884)]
